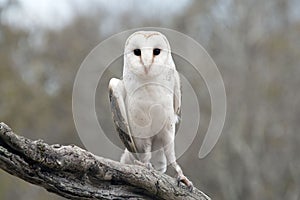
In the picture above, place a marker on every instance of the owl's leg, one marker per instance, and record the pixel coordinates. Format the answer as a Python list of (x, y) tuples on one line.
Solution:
[(127, 157), (159, 161), (144, 157), (170, 154)]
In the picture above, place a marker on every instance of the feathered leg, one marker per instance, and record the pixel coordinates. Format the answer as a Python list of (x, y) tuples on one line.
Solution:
[(171, 158)]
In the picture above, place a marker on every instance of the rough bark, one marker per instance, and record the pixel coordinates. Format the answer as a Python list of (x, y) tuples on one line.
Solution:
[(74, 173)]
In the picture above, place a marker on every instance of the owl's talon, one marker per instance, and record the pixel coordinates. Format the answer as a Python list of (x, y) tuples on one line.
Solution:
[(147, 165), (183, 179)]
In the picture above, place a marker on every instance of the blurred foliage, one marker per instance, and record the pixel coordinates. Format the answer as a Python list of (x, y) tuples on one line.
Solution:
[(256, 46)]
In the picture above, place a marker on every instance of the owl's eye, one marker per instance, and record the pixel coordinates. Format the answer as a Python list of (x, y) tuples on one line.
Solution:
[(137, 52), (156, 51)]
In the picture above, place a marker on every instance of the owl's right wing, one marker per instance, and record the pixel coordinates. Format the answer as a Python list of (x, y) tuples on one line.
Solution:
[(117, 94)]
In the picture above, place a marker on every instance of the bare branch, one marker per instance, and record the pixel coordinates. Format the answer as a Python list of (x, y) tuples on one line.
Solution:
[(74, 173)]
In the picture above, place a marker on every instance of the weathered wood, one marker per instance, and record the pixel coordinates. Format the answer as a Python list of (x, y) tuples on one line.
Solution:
[(74, 173)]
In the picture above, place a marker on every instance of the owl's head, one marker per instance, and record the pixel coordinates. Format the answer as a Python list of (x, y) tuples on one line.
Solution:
[(147, 54)]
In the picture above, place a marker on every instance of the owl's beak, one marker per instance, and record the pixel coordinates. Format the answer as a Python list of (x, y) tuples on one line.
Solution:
[(147, 68), (147, 59)]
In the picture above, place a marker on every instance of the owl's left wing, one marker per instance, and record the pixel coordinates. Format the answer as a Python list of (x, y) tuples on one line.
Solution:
[(177, 99), (117, 95)]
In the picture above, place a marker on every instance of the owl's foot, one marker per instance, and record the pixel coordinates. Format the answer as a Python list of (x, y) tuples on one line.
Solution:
[(183, 179), (147, 165)]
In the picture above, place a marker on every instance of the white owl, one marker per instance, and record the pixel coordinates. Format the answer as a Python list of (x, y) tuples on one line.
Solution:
[(146, 103)]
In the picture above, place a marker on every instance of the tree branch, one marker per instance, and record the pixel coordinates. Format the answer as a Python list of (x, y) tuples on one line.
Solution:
[(74, 173)]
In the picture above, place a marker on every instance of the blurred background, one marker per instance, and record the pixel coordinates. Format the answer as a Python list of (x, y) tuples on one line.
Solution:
[(255, 44)]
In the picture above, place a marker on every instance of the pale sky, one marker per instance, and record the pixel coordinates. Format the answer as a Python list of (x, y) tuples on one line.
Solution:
[(55, 14)]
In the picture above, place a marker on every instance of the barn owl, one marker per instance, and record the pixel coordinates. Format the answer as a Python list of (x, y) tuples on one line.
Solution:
[(146, 103)]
